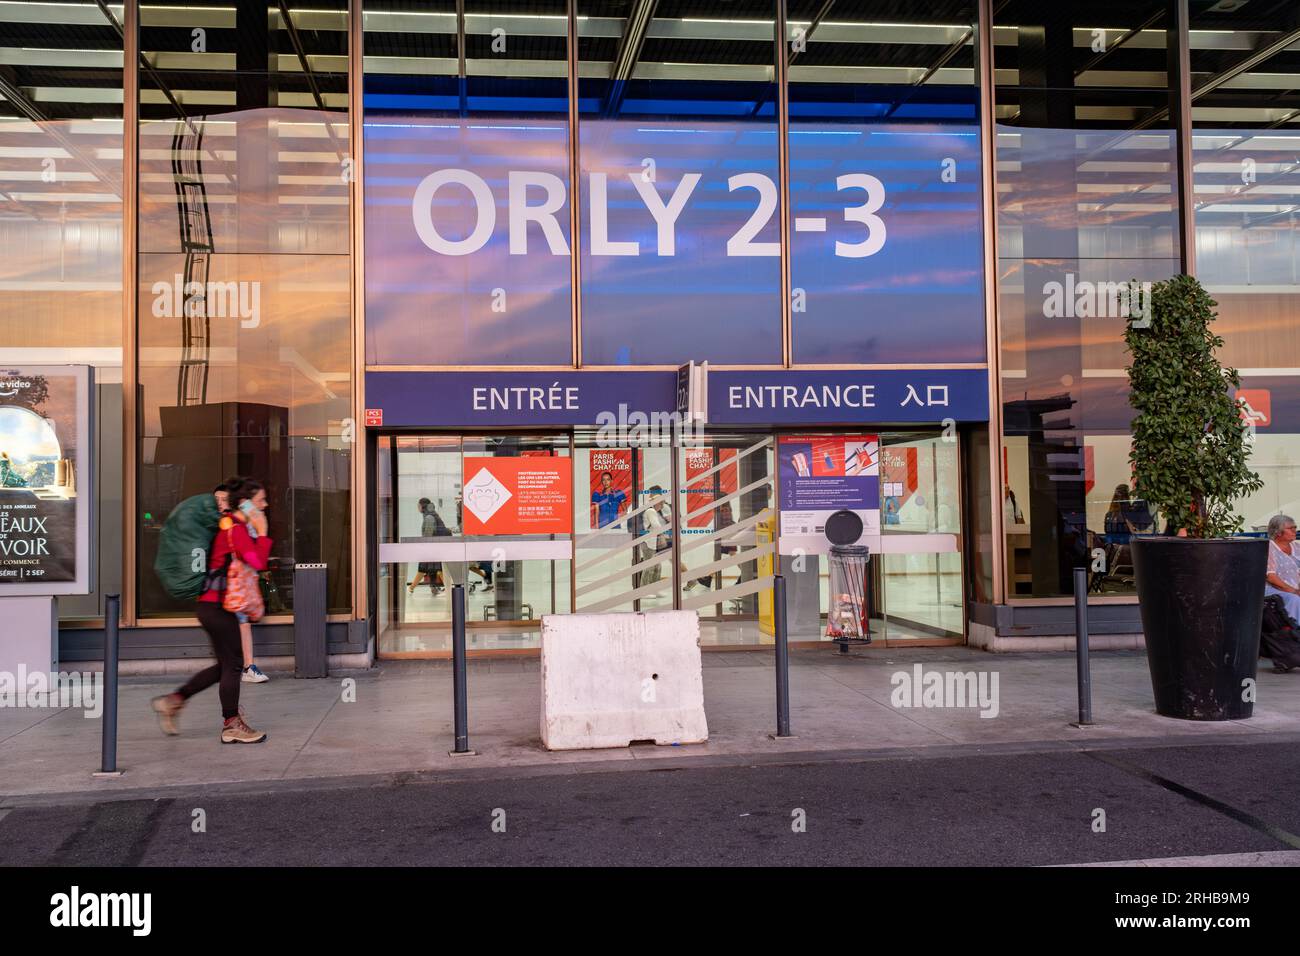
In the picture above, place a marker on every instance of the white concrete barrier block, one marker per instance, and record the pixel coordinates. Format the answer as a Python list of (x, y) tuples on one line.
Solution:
[(610, 679)]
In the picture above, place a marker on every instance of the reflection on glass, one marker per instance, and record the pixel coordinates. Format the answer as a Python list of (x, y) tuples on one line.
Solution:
[(1088, 218), (244, 312), (61, 232)]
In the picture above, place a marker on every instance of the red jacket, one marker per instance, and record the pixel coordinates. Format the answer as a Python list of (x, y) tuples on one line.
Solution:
[(253, 552)]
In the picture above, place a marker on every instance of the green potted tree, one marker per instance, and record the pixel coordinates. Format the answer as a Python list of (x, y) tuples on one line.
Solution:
[(1200, 589)]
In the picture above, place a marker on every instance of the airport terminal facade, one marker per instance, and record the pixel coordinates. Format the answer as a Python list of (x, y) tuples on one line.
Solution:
[(607, 306)]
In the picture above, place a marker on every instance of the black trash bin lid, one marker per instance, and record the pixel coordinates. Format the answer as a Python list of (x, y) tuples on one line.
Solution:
[(843, 527)]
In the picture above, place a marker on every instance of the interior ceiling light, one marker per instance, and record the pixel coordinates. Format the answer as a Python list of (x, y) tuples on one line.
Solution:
[(1228, 6)]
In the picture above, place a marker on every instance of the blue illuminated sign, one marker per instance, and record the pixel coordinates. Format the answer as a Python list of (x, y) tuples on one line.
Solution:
[(779, 397)]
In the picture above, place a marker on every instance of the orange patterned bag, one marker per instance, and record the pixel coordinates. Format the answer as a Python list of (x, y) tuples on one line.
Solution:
[(243, 595)]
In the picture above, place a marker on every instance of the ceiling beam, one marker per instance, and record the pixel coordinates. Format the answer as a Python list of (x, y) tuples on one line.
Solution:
[(1257, 56), (630, 45)]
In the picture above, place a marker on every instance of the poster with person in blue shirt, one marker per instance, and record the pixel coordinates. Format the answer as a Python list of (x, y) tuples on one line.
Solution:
[(608, 500)]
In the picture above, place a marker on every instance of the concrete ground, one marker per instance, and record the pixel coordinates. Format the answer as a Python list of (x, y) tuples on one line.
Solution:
[(1227, 804), (401, 720)]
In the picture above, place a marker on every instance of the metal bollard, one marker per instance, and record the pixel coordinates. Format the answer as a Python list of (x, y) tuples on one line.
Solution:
[(108, 746), (782, 657), (1081, 647), (459, 690)]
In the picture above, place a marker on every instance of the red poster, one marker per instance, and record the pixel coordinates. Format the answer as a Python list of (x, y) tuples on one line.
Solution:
[(699, 493), (524, 495), (729, 474), (611, 485)]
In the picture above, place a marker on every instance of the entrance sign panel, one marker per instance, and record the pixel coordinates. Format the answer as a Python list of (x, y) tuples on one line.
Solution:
[(493, 399), (625, 402), (844, 396), (468, 241), (525, 495), (46, 478)]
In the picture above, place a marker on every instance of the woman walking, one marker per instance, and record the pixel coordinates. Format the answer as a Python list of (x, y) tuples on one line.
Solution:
[(233, 541)]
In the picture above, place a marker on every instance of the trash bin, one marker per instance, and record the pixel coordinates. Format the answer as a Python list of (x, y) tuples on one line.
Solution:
[(309, 621), (846, 618)]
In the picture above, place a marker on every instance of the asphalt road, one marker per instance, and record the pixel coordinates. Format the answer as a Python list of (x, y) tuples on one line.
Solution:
[(1001, 810)]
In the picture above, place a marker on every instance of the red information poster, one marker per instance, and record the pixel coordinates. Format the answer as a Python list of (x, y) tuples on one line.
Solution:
[(729, 474), (524, 495), (699, 491), (611, 485)]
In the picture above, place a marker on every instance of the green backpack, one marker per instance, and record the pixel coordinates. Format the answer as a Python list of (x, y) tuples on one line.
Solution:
[(183, 548)]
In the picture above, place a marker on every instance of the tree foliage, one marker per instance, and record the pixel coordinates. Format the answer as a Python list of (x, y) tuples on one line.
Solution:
[(1190, 447)]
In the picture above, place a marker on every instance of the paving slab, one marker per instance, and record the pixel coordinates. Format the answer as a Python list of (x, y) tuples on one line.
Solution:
[(396, 718)]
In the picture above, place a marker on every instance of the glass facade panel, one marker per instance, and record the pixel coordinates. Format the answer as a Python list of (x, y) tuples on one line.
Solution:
[(1087, 204), (478, 193), (886, 243), (1246, 181), (725, 496), (61, 228), (623, 525), (678, 157), (921, 537), (467, 184), (244, 274), (510, 580)]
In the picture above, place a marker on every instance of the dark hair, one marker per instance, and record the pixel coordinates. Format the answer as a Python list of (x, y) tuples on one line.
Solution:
[(246, 489), (606, 473), (424, 503)]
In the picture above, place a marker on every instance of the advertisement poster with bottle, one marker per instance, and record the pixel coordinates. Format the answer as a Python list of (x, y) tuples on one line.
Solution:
[(822, 474)]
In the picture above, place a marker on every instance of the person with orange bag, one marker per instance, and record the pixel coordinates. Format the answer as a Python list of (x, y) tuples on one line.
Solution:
[(233, 556)]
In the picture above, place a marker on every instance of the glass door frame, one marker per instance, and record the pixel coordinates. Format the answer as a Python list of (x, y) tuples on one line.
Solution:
[(963, 543), (373, 450), (375, 441), (876, 570)]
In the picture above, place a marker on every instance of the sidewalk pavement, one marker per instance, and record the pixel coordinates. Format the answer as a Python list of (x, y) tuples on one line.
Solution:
[(401, 720)]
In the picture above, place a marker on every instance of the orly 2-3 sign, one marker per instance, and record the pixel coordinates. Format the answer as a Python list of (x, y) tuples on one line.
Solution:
[(536, 198)]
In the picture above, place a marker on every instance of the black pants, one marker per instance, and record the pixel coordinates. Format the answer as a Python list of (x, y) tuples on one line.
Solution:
[(223, 632)]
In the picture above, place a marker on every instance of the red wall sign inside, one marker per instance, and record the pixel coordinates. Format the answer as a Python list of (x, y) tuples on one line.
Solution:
[(526, 495)]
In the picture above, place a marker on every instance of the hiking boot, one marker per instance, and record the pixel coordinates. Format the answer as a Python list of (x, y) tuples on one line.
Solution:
[(236, 731), (168, 708)]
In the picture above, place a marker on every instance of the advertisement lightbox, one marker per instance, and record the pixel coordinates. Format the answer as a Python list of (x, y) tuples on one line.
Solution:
[(46, 480)]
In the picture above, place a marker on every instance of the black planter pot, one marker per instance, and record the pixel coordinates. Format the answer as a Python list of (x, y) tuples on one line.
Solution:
[(1201, 603)]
